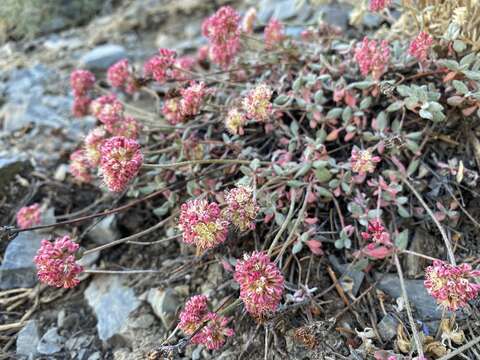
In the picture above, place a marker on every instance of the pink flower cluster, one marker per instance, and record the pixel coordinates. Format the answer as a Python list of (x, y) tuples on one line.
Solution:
[(93, 142), (257, 103), (381, 245), (452, 286), (362, 161), (202, 224), (261, 283), (372, 57), (181, 66), (108, 110), (378, 5), (82, 82), (177, 110), (420, 46), (79, 166), (242, 207), (28, 216), (214, 332), (56, 263), (273, 33), (120, 75), (120, 161), (223, 33), (160, 67), (235, 121)]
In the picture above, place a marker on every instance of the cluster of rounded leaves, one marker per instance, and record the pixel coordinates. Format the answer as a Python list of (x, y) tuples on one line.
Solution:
[(113, 149)]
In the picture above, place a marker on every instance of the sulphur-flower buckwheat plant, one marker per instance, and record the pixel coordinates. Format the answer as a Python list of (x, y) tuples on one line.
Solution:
[(29, 216), (362, 161), (373, 57), (242, 207), (257, 103), (79, 166), (451, 286), (202, 224), (160, 67), (120, 161), (56, 263), (261, 284), (222, 30), (273, 33), (235, 121), (420, 46), (192, 315)]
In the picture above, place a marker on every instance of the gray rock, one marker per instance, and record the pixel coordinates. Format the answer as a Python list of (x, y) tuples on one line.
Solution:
[(51, 342), (102, 57), (423, 242), (27, 339), (425, 305), (388, 327), (112, 303), (164, 303), (352, 275), (285, 10), (336, 14), (18, 269), (95, 356), (9, 167), (28, 82), (105, 231), (143, 321)]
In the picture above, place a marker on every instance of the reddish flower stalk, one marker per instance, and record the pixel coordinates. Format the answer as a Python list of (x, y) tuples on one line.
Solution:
[(451, 286), (223, 33), (202, 224), (261, 283), (372, 57), (242, 207), (120, 161), (56, 263), (28, 216)]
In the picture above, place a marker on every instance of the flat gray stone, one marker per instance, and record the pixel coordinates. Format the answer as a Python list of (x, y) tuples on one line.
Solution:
[(388, 327), (101, 57), (105, 231), (352, 274), (51, 342), (9, 167), (18, 269), (112, 303), (337, 14), (418, 296), (27, 339), (164, 303)]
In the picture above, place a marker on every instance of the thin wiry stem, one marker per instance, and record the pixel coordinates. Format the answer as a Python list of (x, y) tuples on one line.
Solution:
[(202, 162)]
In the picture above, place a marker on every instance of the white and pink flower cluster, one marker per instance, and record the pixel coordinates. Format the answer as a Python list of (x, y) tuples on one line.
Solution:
[(380, 245), (451, 286), (28, 216), (373, 57), (378, 5), (205, 225), (420, 46), (120, 75), (56, 263), (177, 110), (363, 161), (207, 327), (82, 82)]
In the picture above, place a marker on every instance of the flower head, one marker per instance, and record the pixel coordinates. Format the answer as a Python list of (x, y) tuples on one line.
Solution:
[(248, 20), (193, 314), (235, 121), (127, 127), (362, 161), (202, 224), (171, 111), (214, 333), (223, 33), (181, 66), (28, 216), (81, 105), (119, 75), (261, 283), (420, 46), (452, 286), (108, 110), (56, 263), (159, 67), (257, 103), (81, 82), (372, 57), (242, 208), (378, 5), (79, 166), (273, 33), (93, 142), (120, 162), (192, 98), (377, 233)]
